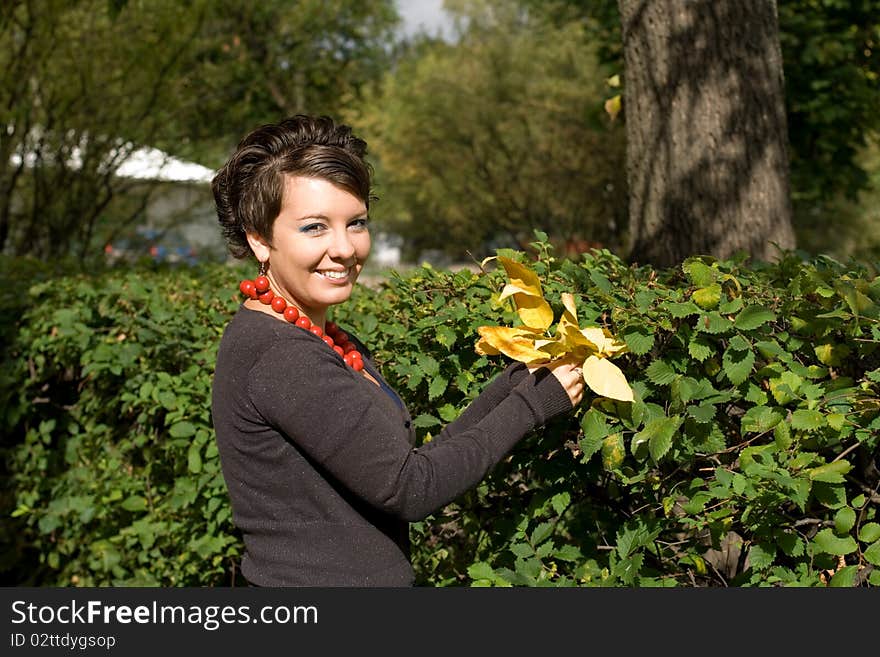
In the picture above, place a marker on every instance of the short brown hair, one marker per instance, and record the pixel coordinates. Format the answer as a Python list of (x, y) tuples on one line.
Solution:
[(249, 188)]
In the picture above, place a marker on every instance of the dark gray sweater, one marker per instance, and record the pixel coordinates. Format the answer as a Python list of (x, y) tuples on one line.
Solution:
[(320, 462)]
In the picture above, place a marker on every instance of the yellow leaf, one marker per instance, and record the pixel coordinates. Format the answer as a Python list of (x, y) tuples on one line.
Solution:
[(511, 290), (707, 297), (613, 451), (568, 333), (602, 341), (613, 81), (570, 307), (831, 354), (521, 275), (553, 347), (485, 349), (612, 106), (606, 380), (484, 261), (525, 287), (535, 313), (517, 343)]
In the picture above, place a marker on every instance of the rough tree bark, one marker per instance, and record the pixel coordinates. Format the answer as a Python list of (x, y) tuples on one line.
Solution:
[(707, 162)]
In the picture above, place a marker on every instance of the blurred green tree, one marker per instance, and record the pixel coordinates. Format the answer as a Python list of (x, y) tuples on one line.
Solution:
[(480, 142), (85, 83)]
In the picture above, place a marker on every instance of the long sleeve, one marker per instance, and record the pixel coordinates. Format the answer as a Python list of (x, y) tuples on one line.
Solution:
[(346, 426), (492, 395)]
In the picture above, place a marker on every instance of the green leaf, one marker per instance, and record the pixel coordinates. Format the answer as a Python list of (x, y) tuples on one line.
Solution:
[(770, 349), (751, 317), (730, 306), (872, 553), (836, 420), (568, 552), (194, 458), (658, 433), (638, 339), (681, 310), (428, 364), (425, 420), (182, 430), (601, 281), (541, 533), (644, 300), (844, 578), (703, 413), (844, 520), (480, 570), (762, 555), (590, 446), (660, 373), (791, 544), (805, 420), (437, 387), (594, 426), (826, 541), (701, 347), (869, 532), (446, 336), (560, 502), (134, 503), (739, 343), (634, 534), (713, 322), (759, 419), (782, 435), (447, 412), (737, 365), (785, 387), (522, 550), (168, 400), (831, 473), (699, 272)]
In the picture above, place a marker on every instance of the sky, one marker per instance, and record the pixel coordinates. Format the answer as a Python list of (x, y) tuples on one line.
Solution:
[(423, 14)]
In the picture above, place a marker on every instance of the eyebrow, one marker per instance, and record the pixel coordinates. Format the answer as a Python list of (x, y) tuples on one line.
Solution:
[(311, 217)]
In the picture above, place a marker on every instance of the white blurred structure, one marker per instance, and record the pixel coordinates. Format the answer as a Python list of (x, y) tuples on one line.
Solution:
[(152, 164), (144, 163)]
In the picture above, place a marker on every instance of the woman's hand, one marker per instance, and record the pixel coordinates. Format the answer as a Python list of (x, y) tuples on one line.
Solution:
[(570, 376)]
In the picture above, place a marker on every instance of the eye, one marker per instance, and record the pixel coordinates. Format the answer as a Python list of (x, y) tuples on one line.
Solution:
[(360, 224), (312, 228)]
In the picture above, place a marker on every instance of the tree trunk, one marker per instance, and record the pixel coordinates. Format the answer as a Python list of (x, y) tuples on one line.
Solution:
[(707, 162)]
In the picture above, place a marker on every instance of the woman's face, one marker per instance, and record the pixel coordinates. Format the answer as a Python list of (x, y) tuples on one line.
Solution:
[(320, 242)]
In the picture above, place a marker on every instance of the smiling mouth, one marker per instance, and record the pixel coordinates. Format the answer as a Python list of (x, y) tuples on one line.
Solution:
[(334, 275)]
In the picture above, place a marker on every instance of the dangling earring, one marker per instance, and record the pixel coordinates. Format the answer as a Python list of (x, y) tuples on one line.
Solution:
[(254, 288)]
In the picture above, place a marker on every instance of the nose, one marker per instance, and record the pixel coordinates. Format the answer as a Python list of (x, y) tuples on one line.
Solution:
[(341, 248)]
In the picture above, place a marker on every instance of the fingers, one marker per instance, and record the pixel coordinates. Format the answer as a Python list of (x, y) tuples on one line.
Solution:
[(572, 379)]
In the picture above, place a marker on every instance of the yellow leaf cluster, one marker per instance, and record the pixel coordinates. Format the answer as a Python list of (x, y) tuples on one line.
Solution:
[(534, 344)]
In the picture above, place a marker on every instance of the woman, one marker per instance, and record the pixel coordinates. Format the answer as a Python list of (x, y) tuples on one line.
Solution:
[(316, 449)]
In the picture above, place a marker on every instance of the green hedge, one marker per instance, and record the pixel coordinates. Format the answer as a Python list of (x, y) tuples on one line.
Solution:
[(748, 458)]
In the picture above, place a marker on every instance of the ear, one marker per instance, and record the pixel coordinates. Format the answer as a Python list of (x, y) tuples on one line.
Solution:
[(259, 246)]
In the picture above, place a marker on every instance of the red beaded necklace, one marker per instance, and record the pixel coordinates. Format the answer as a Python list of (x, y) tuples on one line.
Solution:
[(336, 339)]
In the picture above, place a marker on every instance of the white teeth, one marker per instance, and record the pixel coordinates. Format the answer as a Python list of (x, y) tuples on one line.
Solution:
[(334, 274)]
